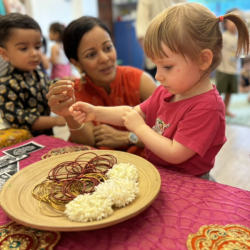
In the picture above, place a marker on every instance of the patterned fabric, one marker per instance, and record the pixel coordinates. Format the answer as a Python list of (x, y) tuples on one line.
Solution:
[(125, 90), (16, 236), (229, 237), (184, 204), (9, 137), (23, 98)]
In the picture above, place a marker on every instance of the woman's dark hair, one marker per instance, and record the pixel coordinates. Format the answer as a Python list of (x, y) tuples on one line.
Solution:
[(59, 28), (15, 21), (76, 30)]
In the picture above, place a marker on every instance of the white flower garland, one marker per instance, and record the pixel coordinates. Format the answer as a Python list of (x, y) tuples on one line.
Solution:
[(89, 207), (123, 171), (120, 189)]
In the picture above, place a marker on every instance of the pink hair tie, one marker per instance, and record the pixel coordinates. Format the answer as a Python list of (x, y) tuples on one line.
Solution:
[(221, 18)]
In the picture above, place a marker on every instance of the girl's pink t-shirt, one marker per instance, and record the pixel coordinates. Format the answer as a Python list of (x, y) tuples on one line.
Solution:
[(197, 123)]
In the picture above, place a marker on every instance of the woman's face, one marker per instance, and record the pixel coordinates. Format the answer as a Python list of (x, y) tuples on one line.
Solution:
[(97, 56)]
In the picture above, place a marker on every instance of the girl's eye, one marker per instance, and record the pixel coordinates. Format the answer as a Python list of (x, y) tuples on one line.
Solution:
[(23, 49), (168, 67), (38, 47)]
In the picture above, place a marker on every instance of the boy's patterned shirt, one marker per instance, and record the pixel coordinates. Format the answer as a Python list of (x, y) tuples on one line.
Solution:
[(23, 98)]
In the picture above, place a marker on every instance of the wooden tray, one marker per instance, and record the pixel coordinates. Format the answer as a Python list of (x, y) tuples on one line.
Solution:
[(18, 203)]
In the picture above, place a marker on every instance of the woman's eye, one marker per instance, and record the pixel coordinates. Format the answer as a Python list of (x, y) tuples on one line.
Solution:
[(108, 48), (90, 55)]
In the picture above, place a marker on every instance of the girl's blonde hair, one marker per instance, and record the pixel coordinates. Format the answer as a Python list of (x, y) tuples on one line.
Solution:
[(189, 28)]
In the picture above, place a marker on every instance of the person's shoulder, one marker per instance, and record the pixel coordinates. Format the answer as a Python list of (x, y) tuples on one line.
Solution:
[(6, 78), (129, 73), (129, 69), (210, 100)]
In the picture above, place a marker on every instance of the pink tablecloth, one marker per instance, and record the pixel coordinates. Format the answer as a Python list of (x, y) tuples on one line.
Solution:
[(184, 204)]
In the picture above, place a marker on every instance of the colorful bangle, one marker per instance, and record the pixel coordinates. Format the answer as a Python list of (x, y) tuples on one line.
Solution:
[(76, 129)]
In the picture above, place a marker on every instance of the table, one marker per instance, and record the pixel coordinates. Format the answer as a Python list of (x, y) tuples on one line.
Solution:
[(184, 204)]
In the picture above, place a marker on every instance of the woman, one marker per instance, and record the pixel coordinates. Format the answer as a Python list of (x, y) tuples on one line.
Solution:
[(87, 44)]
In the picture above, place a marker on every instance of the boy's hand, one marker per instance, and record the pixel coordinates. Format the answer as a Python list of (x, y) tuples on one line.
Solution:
[(60, 97), (82, 112), (132, 120)]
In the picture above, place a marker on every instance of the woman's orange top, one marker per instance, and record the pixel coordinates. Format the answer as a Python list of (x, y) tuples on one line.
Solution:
[(125, 90)]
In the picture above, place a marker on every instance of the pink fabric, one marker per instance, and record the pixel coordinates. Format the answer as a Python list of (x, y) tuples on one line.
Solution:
[(197, 123), (184, 204), (60, 71)]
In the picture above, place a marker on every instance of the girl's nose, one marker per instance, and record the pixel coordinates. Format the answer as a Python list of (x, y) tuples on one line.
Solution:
[(159, 77)]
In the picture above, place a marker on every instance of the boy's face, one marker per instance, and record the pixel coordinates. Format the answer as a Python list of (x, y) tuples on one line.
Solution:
[(22, 49)]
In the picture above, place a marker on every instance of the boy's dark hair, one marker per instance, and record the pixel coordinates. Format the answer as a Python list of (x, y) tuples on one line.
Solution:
[(15, 21), (44, 45), (59, 28), (76, 30)]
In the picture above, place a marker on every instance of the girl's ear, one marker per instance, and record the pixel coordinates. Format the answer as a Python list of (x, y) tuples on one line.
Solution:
[(206, 58), (4, 54)]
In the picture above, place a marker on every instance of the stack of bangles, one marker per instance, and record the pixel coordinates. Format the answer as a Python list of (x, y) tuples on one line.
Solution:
[(69, 179)]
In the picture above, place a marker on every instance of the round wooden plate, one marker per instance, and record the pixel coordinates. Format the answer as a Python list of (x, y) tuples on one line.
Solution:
[(19, 204)]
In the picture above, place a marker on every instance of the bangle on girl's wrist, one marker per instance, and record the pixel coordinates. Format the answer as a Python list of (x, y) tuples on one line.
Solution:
[(76, 129)]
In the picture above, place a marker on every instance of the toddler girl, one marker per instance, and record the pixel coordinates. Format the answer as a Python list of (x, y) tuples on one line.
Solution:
[(60, 63), (183, 123)]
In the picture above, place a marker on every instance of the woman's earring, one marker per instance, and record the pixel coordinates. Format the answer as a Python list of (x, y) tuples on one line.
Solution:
[(82, 74)]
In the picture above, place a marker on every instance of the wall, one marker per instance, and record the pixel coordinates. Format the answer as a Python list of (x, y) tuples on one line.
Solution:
[(105, 13), (46, 12), (220, 7)]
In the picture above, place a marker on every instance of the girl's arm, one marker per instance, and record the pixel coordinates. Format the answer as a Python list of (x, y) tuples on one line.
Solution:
[(7, 6), (84, 112), (54, 54), (169, 150)]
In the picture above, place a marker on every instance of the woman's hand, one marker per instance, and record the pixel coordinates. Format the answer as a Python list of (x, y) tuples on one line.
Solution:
[(132, 120), (60, 97), (107, 136), (82, 112), (60, 121)]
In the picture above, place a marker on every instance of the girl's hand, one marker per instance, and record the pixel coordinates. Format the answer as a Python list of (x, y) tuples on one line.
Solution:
[(82, 112), (132, 120), (60, 97)]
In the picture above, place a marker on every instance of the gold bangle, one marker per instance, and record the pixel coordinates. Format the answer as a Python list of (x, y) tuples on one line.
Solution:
[(76, 129)]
